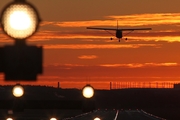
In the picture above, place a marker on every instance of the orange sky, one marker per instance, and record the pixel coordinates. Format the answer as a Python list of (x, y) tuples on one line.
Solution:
[(74, 54)]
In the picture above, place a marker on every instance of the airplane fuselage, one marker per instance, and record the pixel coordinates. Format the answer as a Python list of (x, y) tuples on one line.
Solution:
[(119, 34)]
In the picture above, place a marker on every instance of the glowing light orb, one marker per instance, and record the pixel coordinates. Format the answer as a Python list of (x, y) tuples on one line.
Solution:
[(19, 20), (97, 118), (18, 91), (9, 119), (88, 91), (53, 119)]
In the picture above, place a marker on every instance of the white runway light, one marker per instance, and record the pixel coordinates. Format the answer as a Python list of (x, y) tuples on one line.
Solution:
[(97, 118), (9, 119), (19, 20), (18, 91), (88, 91), (53, 119)]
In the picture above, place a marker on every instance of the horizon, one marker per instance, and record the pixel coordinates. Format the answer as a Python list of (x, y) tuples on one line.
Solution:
[(104, 85)]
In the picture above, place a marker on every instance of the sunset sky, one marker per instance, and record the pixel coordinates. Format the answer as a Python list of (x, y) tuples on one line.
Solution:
[(74, 55)]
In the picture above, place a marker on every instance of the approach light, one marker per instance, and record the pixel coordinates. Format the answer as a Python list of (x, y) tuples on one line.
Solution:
[(9, 119), (88, 91), (97, 118), (19, 19), (53, 119), (18, 91)]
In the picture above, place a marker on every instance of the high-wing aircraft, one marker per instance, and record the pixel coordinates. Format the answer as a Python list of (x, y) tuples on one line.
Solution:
[(119, 32)]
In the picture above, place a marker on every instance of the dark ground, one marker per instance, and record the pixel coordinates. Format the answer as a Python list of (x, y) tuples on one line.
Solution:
[(164, 103)]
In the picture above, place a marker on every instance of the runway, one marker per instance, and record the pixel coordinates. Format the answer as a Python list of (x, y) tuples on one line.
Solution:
[(117, 115)]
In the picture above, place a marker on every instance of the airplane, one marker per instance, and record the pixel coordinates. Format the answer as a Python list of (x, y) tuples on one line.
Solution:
[(119, 32)]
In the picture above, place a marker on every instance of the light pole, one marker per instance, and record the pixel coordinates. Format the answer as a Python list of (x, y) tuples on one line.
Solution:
[(20, 20)]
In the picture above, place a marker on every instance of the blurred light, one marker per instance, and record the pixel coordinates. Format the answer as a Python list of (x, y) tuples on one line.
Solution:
[(88, 91), (19, 20), (53, 119), (18, 91), (10, 111), (9, 119), (97, 118)]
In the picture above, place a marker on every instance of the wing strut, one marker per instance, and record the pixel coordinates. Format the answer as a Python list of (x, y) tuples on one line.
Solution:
[(128, 32), (108, 32)]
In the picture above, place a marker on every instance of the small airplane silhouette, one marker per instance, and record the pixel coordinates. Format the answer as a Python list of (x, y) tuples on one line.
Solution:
[(119, 32)]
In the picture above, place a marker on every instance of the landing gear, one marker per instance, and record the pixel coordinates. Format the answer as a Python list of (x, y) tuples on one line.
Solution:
[(111, 38)]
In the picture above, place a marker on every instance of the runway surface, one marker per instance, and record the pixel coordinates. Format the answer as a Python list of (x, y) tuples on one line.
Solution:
[(102, 114), (117, 115)]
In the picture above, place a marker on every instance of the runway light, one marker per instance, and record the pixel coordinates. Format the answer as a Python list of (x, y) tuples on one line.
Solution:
[(18, 91), (97, 118), (9, 119), (19, 19), (88, 91), (53, 119)]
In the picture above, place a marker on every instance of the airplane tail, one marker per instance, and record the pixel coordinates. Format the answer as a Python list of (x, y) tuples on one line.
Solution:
[(117, 25)]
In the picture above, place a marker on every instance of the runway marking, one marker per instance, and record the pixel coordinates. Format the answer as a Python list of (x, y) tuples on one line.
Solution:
[(116, 115)]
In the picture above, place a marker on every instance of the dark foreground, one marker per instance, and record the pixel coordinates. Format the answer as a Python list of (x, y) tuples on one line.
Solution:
[(77, 115), (64, 103), (117, 115)]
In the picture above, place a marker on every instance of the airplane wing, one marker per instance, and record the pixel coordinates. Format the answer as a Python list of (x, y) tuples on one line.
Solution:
[(125, 29), (101, 28), (132, 29)]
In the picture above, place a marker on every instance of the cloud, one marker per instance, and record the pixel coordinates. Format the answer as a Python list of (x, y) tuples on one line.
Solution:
[(139, 72), (148, 19), (87, 57), (124, 20), (106, 66), (98, 46), (93, 35), (165, 27), (113, 72), (138, 65), (4, 38)]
